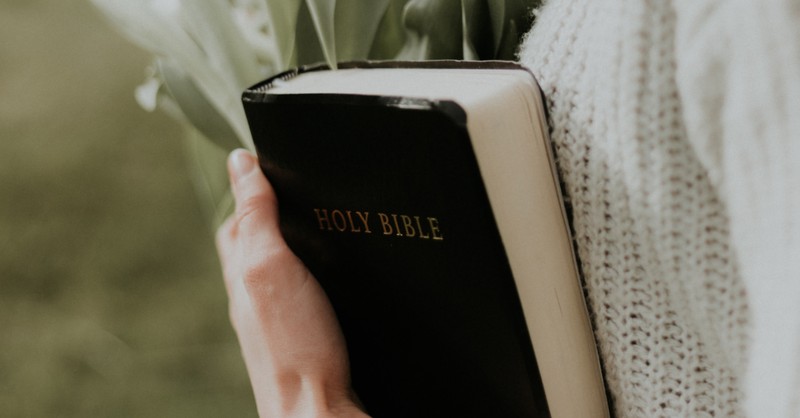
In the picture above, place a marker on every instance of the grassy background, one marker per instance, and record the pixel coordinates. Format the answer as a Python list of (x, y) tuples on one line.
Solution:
[(111, 301)]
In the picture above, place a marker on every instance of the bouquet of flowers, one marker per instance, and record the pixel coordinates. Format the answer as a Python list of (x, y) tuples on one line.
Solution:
[(206, 52)]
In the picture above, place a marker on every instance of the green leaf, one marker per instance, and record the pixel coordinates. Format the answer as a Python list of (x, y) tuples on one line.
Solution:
[(308, 49), (476, 30), (345, 29), (323, 14), (356, 24), (196, 108), (507, 49), (162, 28), (390, 34), (283, 20), (434, 30), (207, 169), (497, 14), (510, 20), (224, 46)]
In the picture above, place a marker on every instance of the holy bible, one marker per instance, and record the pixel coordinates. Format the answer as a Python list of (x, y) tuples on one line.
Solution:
[(423, 197)]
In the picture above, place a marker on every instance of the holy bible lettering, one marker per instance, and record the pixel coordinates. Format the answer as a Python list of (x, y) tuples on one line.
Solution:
[(390, 224)]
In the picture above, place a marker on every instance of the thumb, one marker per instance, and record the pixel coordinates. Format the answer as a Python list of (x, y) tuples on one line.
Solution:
[(256, 205)]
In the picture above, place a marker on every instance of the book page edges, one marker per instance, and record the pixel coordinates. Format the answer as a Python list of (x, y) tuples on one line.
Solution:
[(526, 201)]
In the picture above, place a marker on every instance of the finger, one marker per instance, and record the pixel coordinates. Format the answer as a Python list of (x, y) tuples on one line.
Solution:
[(256, 206)]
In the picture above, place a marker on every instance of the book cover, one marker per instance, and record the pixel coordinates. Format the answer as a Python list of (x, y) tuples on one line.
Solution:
[(383, 197)]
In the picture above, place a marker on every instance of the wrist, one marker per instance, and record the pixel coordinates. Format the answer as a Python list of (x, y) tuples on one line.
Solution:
[(304, 397)]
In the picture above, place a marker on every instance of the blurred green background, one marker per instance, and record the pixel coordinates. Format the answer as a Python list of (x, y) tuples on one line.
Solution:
[(111, 299)]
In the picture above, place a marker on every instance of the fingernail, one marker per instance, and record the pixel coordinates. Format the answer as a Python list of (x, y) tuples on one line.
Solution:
[(241, 162)]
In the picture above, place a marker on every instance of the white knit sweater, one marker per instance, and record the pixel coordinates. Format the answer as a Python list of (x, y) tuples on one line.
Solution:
[(677, 129)]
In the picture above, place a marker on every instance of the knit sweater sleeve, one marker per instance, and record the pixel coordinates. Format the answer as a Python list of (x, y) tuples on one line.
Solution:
[(738, 73), (676, 126)]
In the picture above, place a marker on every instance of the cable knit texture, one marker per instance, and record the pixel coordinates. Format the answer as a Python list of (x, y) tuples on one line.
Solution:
[(677, 130)]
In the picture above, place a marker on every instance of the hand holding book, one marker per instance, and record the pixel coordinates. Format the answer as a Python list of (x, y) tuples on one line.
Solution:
[(291, 342)]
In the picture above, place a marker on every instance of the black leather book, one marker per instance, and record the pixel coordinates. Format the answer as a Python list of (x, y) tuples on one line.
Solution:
[(423, 198)]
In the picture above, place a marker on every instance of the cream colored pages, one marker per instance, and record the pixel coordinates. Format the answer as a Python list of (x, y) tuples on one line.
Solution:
[(461, 86), (510, 140)]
